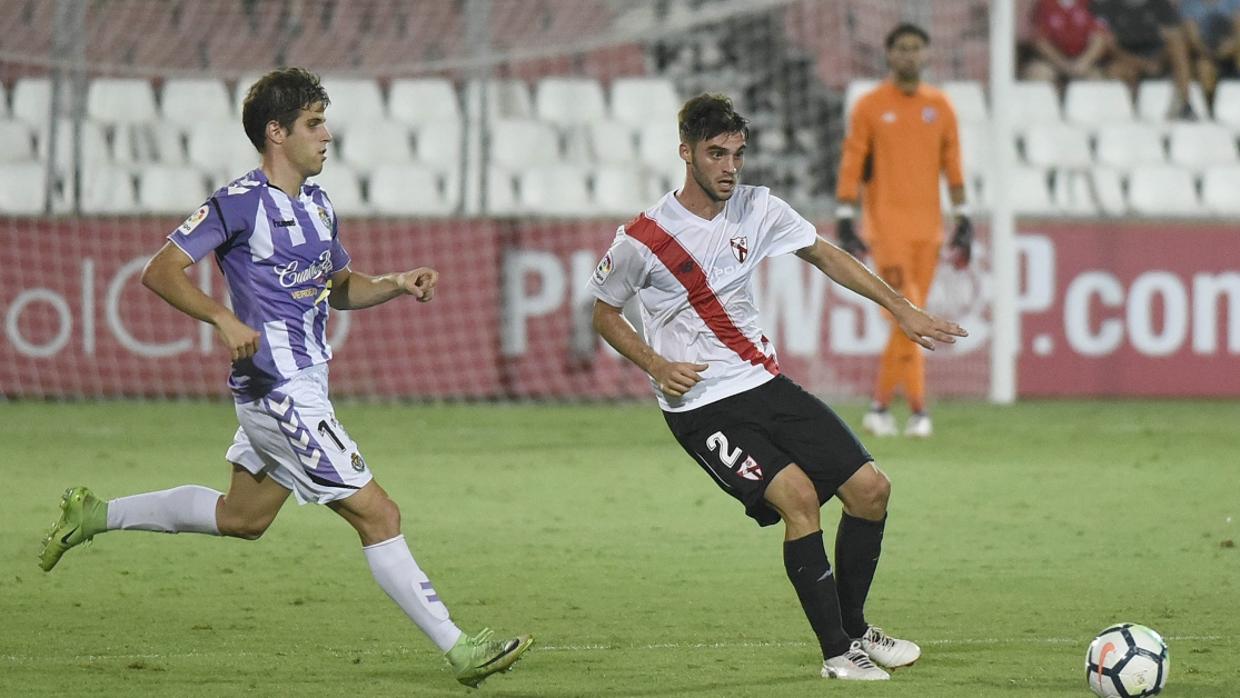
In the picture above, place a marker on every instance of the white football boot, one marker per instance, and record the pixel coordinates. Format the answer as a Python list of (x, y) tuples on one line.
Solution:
[(887, 650), (919, 426), (853, 665), (879, 423)]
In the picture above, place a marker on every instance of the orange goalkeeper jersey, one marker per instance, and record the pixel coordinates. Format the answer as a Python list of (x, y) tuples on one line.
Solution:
[(911, 140)]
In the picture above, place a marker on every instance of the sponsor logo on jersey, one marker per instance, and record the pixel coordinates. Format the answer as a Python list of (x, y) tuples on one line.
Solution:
[(194, 219), (290, 275), (889, 117), (750, 470), (603, 270), (740, 248), (929, 114)]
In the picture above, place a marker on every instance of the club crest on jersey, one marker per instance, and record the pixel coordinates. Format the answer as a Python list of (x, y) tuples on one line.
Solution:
[(356, 461), (929, 114), (740, 248), (194, 219), (750, 470), (603, 270), (327, 220)]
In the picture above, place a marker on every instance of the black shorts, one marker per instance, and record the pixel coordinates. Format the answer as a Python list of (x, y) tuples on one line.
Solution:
[(744, 440)]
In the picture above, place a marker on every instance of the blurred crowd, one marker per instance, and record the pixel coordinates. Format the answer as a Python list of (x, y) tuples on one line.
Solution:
[(1134, 40)]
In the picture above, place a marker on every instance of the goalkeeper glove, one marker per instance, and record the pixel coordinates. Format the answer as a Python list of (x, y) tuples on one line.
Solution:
[(849, 241), (962, 243)]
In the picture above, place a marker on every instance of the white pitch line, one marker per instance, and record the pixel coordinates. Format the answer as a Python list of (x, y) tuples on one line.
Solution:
[(963, 642)]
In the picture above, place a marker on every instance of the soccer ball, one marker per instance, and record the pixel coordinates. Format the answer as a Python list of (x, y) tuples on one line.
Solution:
[(1127, 661)]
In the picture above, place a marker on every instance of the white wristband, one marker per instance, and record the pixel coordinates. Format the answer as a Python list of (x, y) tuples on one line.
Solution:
[(845, 211)]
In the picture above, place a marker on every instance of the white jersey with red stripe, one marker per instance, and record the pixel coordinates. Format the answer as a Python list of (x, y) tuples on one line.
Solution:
[(694, 280)]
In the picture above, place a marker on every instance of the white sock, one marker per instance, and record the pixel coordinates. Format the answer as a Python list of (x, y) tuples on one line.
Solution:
[(398, 574), (186, 509)]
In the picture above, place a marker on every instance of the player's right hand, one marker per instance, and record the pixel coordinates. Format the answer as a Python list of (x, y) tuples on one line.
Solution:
[(849, 241), (241, 339), (675, 378)]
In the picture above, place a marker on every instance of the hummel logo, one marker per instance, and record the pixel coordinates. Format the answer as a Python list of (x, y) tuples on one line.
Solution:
[(282, 224)]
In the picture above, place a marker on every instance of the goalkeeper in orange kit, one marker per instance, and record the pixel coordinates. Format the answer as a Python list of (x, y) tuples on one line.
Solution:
[(902, 136)]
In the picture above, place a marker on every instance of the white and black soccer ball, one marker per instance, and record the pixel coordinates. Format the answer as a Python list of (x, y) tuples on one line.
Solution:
[(1127, 661)]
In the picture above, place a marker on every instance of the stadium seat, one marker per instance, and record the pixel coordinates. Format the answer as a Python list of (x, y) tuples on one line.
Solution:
[(188, 101), (1128, 145), (658, 145), (1057, 145), (1226, 104), (343, 188), (855, 90), (1029, 191), (517, 144), (417, 101), (1095, 103), (501, 193), (23, 187), (241, 88), (1163, 190), (1219, 188), (16, 142), (4, 101), (439, 144), (374, 143), (1108, 190), (1154, 100), (94, 145), (636, 101), (1036, 103), (222, 150), (968, 100), (1201, 145), (411, 190), (1074, 194), (32, 100), (568, 102), (353, 101), (505, 99), (556, 190), (172, 190), (109, 189), (619, 190), (613, 141), (121, 101)]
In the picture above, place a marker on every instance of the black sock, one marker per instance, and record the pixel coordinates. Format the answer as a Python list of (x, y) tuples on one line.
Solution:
[(858, 543), (805, 560)]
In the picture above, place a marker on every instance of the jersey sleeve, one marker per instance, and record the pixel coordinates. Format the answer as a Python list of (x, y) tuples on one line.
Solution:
[(202, 232), (789, 231), (951, 147), (620, 272), (856, 148)]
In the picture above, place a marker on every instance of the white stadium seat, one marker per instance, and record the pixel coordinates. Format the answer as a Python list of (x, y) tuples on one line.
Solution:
[(121, 101), (1097, 102), (4, 101), (1226, 104), (1029, 191), (556, 190), (32, 100), (1163, 190), (620, 190), (636, 101), (439, 144), (16, 142), (1074, 194), (110, 189), (967, 99), (169, 189), (23, 186), (353, 101), (417, 101), (1128, 145), (1108, 188), (1200, 145), (658, 145), (1154, 99), (501, 192), (186, 101), (505, 99), (410, 190), (520, 143), (241, 89), (374, 143), (344, 190), (1036, 103), (570, 101), (222, 150), (1057, 145), (1219, 187), (612, 141), (94, 144)]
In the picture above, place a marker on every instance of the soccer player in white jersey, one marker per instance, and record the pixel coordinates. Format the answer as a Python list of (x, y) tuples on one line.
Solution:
[(276, 240), (689, 260)]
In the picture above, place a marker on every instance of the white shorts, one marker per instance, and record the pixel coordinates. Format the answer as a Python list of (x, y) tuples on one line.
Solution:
[(292, 435)]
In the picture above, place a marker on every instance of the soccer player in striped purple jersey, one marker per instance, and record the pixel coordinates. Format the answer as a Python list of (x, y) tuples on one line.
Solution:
[(277, 242)]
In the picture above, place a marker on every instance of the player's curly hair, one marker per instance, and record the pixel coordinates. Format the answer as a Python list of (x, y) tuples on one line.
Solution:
[(708, 115), (279, 96), (906, 29)]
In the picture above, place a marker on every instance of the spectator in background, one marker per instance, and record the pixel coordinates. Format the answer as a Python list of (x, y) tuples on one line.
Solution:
[(1212, 29), (1069, 42), (1147, 39)]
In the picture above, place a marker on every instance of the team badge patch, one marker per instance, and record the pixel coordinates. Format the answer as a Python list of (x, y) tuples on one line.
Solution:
[(750, 470), (194, 219), (358, 464), (740, 248), (603, 270), (327, 220), (929, 114)]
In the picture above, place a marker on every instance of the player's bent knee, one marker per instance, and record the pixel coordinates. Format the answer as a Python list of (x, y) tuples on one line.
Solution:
[(244, 529)]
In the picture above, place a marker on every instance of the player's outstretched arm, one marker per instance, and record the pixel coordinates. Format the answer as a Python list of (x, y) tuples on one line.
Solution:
[(673, 378), (845, 270), (165, 275), (351, 290)]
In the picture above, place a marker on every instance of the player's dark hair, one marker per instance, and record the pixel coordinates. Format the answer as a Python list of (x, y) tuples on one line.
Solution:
[(907, 29), (279, 96), (708, 115)]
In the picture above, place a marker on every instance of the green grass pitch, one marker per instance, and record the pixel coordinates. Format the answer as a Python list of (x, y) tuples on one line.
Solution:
[(1016, 533)]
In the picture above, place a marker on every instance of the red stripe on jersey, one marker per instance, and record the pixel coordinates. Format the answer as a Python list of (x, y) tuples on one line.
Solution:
[(701, 296)]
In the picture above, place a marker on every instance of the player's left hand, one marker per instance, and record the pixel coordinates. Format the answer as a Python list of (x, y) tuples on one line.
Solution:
[(962, 243), (419, 283), (926, 329)]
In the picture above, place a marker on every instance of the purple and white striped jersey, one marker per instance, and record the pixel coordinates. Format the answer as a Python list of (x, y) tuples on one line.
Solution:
[(277, 253)]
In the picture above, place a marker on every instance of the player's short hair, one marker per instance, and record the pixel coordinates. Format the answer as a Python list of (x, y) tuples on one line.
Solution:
[(708, 115), (279, 96), (907, 29)]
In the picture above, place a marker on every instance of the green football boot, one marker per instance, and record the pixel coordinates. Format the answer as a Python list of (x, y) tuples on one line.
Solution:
[(475, 658), (82, 516)]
